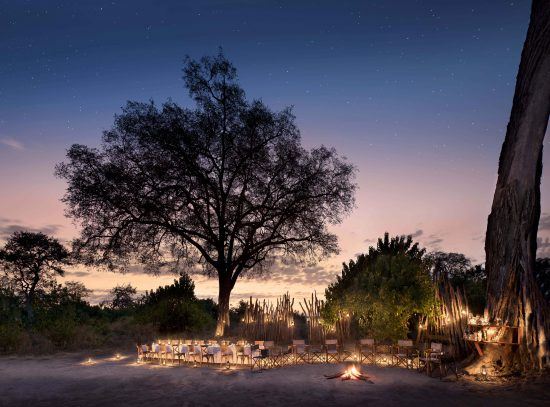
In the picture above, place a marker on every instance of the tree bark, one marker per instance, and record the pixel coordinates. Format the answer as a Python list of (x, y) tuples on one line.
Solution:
[(511, 240), (224, 294)]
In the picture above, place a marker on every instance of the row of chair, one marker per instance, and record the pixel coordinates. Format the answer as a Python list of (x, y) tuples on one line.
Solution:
[(265, 354)]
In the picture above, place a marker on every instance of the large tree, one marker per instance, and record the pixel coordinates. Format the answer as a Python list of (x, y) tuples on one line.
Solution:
[(383, 289), (227, 185), (511, 240), (29, 263)]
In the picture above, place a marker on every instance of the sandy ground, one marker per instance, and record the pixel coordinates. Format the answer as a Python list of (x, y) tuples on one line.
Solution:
[(63, 380)]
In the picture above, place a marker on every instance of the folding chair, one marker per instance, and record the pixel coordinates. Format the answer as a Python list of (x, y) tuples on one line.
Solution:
[(273, 354), (366, 349), (181, 351), (316, 353), (300, 351), (142, 352), (259, 357), (332, 350), (403, 354)]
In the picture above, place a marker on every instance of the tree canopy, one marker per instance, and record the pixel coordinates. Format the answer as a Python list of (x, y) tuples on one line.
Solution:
[(226, 185), (383, 289), (29, 263)]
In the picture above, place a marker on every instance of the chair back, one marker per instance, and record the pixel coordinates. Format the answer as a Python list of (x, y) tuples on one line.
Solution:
[(405, 343), (366, 342), (298, 342), (331, 341), (269, 344), (260, 344), (436, 347)]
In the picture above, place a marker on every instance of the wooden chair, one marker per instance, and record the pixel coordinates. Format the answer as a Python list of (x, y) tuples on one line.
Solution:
[(181, 351), (276, 355), (287, 356), (431, 359), (242, 356), (403, 353), (300, 351), (167, 351), (366, 348), (155, 352), (226, 353), (195, 353), (206, 354), (315, 353), (142, 352), (332, 350), (259, 357)]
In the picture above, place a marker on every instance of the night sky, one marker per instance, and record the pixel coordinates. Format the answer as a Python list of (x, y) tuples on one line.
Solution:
[(416, 93)]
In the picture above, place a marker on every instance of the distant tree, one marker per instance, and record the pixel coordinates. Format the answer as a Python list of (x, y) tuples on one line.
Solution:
[(183, 288), (513, 294), (30, 262), (458, 270), (76, 291), (123, 297), (227, 185)]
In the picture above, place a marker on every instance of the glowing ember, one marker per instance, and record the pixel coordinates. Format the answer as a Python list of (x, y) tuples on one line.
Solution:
[(350, 373)]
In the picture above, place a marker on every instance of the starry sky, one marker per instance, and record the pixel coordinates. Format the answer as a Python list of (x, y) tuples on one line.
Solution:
[(417, 94)]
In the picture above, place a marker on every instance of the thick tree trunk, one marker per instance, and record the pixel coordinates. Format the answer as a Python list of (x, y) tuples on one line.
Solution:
[(511, 241), (225, 287)]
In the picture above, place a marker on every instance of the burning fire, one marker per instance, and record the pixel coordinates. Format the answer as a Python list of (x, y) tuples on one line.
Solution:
[(350, 373)]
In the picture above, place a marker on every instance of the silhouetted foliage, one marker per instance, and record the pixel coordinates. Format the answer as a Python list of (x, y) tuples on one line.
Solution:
[(123, 297), (29, 263), (183, 288), (458, 269), (227, 185), (175, 308)]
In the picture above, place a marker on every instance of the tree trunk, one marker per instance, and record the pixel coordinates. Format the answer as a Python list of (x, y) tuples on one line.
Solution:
[(29, 311), (225, 287), (511, 241)]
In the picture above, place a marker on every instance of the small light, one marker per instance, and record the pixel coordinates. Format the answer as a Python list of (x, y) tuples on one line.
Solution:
[(90, 360), (227, 365), (117, 356), (484, 371)]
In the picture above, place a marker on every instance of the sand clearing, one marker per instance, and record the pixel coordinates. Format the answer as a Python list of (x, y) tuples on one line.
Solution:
[(63, 380)]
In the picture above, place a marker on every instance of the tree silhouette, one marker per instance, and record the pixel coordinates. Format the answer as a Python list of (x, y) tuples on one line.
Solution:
[(30, 261), (123, 297), (226, 186)]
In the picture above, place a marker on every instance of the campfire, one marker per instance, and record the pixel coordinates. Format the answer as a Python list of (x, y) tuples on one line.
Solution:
[(351, 372)]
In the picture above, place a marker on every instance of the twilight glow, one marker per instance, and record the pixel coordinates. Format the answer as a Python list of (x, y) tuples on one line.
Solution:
[(417, 94)]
